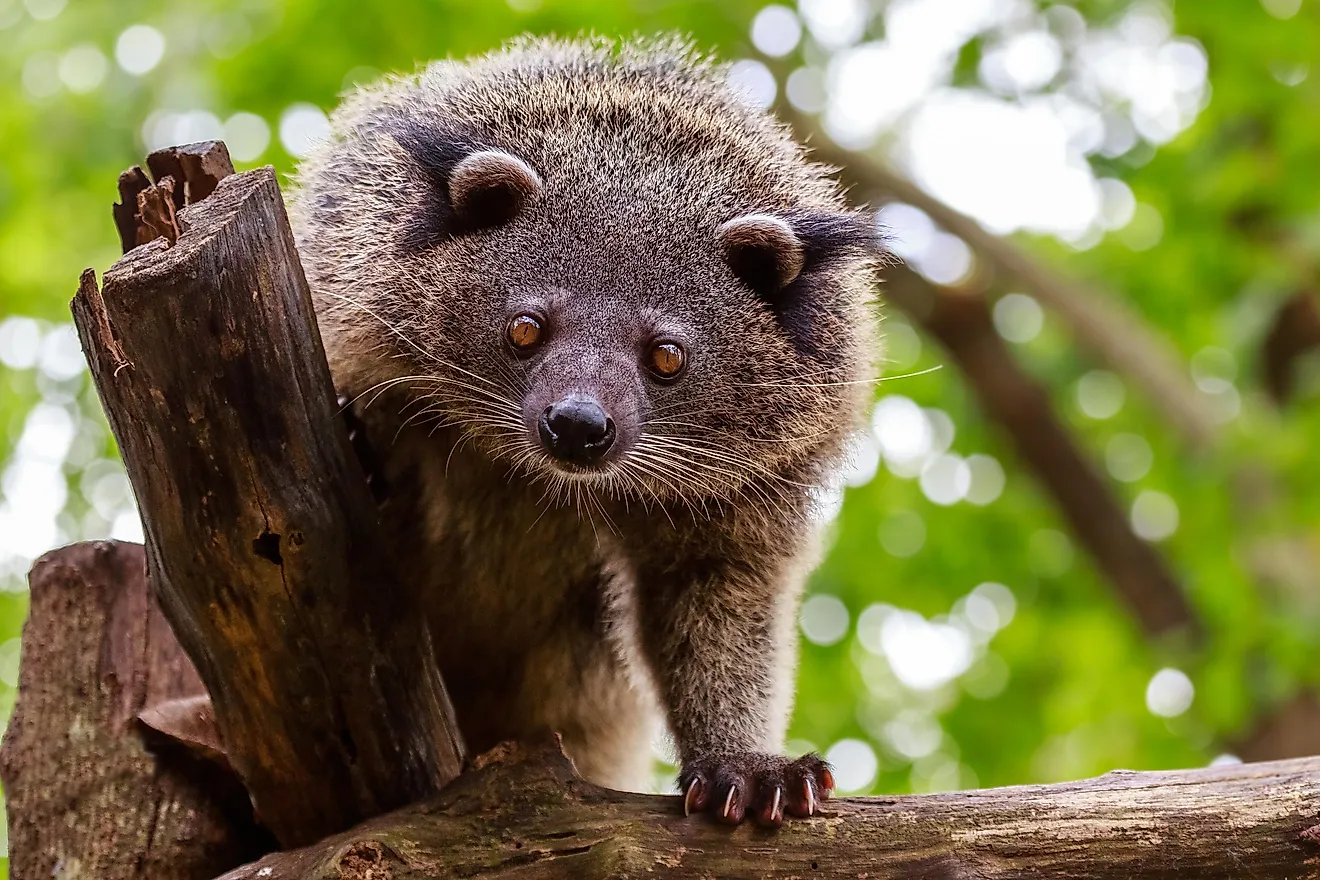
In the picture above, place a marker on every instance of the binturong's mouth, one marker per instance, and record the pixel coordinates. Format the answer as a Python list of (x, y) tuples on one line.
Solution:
[(577, 432)]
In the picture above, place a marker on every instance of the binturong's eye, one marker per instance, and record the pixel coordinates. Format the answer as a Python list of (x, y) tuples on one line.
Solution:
[(665, 360), (525, 333)]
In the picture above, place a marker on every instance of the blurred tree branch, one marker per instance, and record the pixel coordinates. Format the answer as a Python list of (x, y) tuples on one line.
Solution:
[(1294, 333), (963, 325), (1123, 341), (961, 321), (1117, 337)]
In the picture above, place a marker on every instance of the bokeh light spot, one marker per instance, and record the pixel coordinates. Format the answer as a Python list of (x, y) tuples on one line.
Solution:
[(1283, 9), (946, 479), (20, 342), (82, 69), (139, 49), (754, 82), (776, 31), (1018, 317), (1100, 394), (247, 135), (855, 764), (988, 479), (302, 128), (902, 346), (1169, 693), (1145, 230), (824, 619), (1128, 457), (44, 10), (1154, 515), (923, 654), (806, 89)]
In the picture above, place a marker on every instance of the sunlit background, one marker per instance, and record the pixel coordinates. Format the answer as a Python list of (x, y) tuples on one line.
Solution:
[(1157, 159)]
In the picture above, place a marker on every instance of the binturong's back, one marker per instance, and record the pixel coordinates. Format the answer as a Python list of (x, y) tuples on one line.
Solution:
[(608, 330)]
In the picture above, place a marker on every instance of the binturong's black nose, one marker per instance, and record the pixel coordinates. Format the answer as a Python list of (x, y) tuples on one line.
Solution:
[(577, 430)]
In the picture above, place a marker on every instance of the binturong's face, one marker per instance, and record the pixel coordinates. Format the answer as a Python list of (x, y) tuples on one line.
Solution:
[(632, 285)]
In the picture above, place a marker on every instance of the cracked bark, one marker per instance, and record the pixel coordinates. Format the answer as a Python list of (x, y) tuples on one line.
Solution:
[(263, 544), (522, 812), (90, 792)]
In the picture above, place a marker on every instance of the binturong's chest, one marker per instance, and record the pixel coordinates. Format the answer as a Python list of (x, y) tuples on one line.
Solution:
[(522, 599)]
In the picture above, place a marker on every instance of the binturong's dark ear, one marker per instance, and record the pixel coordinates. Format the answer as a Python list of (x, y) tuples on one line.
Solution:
[(763, 251), (491, 187)]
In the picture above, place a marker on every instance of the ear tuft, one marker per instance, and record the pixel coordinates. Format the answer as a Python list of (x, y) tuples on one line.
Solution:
[(491, 187), (763, 251)]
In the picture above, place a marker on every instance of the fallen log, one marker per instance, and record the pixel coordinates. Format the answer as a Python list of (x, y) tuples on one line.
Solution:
[(522, 812)]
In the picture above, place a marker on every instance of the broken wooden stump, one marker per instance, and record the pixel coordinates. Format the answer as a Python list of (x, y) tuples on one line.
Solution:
[(89, 791), (182, 176), (263, 543)]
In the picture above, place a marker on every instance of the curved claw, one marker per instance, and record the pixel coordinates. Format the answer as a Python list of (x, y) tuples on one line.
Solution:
[(728, 801), (692, 799), (772, 815)]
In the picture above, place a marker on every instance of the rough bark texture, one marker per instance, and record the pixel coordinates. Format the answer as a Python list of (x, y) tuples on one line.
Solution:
[(964, 326), (263, 544), (89, 792), (524, 813)]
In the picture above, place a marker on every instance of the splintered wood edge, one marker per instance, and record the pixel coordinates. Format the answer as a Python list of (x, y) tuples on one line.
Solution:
[(196, 168), (193, 171), (89, 294), (198, 223)]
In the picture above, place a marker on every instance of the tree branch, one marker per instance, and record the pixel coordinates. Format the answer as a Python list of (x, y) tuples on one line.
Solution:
[(963, 325), (1098, 321), (524, 813), (1294, 333)]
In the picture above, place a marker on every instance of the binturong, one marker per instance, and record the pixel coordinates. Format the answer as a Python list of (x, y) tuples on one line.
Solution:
[(608, 331)]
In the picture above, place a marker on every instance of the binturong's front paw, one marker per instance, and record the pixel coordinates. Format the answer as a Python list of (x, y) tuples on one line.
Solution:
[(734, 786)]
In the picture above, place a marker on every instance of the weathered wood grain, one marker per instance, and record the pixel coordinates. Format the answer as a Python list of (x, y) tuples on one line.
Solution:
[(523, 813), (263, 543), (89, 792)]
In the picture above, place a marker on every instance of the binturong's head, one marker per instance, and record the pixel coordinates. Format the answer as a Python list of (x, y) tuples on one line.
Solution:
[(599, 263)]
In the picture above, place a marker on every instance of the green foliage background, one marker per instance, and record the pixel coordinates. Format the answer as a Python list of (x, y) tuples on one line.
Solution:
[(1061, 690)]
